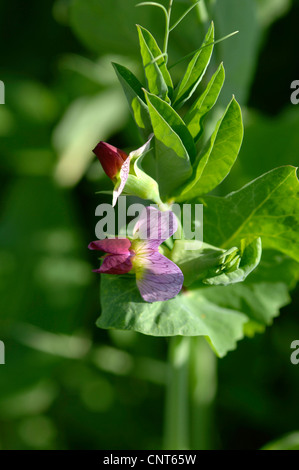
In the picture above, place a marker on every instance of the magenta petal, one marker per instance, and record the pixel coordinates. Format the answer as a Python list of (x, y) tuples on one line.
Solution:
[(155, 226), (162, 279), (117, 246), (110, 157), (116, 264)]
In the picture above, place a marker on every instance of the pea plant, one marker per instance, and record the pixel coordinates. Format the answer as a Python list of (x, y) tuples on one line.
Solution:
[(213, 291)]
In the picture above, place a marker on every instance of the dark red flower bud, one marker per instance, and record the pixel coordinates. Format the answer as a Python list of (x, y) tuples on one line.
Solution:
[(110, 157)]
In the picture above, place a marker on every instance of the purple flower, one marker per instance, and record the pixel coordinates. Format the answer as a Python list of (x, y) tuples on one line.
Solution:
[(157, 277)]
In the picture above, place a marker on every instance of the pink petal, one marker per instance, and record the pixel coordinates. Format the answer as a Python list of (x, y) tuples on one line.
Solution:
[(143, 149), (116, 246), (161, 280), (116, 264), (125, 169), (155, 226), (123, 174)]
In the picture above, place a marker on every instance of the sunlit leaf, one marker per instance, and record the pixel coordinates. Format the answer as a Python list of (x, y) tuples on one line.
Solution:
[(157, 75), (187, 315), (195, 70), (218, 155), (172, 119), (195, 116), (135, 96), (266, 208), (172, 158)]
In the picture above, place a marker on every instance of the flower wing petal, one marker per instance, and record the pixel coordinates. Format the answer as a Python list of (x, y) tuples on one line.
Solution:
[(116, 264), (117, 246), (123, 176), (160, 279), (155, 226), (143, 149)]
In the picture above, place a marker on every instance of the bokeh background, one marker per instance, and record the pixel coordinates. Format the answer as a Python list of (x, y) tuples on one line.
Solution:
[(67, 384)]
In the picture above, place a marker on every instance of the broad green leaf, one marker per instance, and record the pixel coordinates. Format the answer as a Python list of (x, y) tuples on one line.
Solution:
[(195, 116), (195, 70), (157, 75), (276, 267), (260, 302), (135, 96), (175, 122), (186, 315), (218, 155), (213, 266), (262, 294), (267, 208), (172, 157)]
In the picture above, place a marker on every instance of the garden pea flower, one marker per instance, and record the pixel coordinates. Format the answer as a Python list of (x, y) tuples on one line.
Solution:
[(116, 164), (111, 158), (157, 277)]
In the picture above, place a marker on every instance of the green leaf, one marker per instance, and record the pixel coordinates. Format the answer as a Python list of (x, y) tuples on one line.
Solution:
[(157, 75), (267, 208), (195, 70), (175, 122), (195, 116), (210, 265), (260, 302), (135, 96), (217, 156), (223, 314), (276, 267), (186, 315), (172, 158)]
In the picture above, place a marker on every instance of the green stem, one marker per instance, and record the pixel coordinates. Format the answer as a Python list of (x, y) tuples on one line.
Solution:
[(202, 47), (203, 386), (202, 12), (176, 432), (191, 389), (167, 28)]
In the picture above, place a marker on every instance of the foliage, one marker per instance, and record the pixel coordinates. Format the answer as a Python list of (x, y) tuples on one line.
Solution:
[(188, 165)]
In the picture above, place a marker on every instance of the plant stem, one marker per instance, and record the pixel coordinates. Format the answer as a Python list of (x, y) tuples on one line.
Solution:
[(203, 386), (191, 389), (176, 432), (202, 12), (167, 28)]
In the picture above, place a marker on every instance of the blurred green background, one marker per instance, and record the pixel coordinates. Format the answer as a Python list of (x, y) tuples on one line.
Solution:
[(67, 384)]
